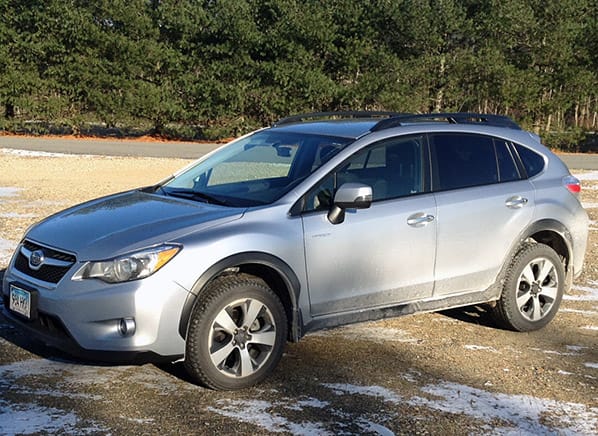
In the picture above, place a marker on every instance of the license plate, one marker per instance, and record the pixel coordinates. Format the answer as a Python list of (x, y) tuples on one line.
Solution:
[(20, 301)]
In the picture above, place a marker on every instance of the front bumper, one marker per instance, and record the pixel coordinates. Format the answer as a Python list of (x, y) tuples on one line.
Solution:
[(83, 317)]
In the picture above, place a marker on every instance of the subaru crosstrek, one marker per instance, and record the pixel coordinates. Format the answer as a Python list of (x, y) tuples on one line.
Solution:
[(317, 221)]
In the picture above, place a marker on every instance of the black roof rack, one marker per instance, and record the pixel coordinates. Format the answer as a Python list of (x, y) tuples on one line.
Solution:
[(450, 117), (337, 115)]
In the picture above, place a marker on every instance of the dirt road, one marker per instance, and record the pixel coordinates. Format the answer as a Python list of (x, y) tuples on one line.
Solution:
[(442, 373)]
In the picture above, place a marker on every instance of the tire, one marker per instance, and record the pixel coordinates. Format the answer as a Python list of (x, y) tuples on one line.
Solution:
[(532, 291), (236, 335)]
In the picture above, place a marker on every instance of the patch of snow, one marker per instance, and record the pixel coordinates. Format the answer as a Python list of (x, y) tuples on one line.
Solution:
[(522, 414), (581, 312), (590, 327), (587, 294), (9, 191), (31, 153), (7, 248), (367, 426), (373, 391), (373, 334), (25, 419), (576, 348), (587, 205), (526, 414), (411, 376), (591, 365), (139, 420), (587, 176), (313, 402), (560, 371), (16, 215), (257, 412), (480, 348), (559, 353)]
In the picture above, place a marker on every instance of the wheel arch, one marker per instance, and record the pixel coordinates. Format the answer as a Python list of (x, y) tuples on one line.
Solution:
[(555, 235), (279, 276)]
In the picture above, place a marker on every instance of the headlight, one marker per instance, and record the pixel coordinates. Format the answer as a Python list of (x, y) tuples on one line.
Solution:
[(129, 267)]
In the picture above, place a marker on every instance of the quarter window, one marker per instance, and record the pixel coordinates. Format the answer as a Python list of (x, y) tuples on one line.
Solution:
[(507, 169), (532, 161)]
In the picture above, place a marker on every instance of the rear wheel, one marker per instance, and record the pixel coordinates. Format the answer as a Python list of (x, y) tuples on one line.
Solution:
[(236, 334), (532, 290)]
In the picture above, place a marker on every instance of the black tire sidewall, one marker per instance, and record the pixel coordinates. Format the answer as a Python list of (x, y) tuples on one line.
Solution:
[(197, 359), (511, 314)]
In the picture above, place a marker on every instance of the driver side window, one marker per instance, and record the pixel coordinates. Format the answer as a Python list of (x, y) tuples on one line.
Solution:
[(393, 168)]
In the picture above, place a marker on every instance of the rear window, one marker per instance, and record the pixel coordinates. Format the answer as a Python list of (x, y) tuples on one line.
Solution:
[(532, 161)]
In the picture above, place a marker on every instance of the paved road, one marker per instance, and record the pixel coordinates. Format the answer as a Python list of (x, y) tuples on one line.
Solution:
[(108, 147), (185, 150)]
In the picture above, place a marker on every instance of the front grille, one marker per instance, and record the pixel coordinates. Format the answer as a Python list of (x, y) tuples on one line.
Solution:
[(47, 272), (48, 252)]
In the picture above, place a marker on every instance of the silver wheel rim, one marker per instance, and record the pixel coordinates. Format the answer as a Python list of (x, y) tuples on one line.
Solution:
[(242, 337), (537, 289)]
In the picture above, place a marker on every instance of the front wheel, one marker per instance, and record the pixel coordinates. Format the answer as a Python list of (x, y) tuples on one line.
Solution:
[(533, 289), (236, 333)]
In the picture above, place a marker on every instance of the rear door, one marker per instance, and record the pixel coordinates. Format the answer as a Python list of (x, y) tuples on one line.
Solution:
[(483, 205)]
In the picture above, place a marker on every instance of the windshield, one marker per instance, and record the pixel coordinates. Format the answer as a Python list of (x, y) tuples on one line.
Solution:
[(255, 170)]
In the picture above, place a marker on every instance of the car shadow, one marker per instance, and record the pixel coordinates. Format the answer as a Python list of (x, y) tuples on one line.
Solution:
[(477, 315)]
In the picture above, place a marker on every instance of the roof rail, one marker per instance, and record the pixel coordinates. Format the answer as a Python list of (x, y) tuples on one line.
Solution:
[(336, 115), (449, 117)]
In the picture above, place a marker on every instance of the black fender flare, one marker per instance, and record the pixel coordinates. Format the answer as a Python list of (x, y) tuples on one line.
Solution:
[(286, 273), (542, 225), (552, 226)]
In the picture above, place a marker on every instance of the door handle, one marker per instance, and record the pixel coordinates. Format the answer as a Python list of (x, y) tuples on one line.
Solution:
[(420, 219), (516, 202)]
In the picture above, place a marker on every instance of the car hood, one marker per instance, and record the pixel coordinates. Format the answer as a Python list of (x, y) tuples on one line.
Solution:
[(114, 225)]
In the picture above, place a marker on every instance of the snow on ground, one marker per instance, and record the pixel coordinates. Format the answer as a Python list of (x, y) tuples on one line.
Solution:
[(8, 191), (593, 175), (521, 414), (260, 413), (6, 249), (25, 419), (584, 293), (580, 312), (29, 153), (587, 205), (366, 332), (480, 348), (16, 215), (29, 418), (514, 414)]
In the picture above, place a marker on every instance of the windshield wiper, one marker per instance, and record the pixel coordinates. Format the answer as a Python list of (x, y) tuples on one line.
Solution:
[(194, 195)]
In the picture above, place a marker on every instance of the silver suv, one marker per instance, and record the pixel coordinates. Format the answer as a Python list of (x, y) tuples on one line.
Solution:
[(317, 221)]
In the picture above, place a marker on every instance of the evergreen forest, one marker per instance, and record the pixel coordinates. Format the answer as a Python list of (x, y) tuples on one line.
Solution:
[(210, 69)]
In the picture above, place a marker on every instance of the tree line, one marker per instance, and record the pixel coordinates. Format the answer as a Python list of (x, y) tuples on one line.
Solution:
[(215, 68)]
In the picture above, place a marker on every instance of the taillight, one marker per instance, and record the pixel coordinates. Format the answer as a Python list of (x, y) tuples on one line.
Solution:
[(572, 184)]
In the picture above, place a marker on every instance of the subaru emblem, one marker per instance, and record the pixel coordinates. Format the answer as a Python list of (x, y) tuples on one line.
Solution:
[(36, 259)]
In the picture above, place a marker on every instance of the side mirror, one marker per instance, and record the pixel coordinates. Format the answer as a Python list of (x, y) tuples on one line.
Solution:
[(349, 196)]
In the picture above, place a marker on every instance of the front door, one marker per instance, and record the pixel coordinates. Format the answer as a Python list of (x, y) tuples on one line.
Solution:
[(379, 256)]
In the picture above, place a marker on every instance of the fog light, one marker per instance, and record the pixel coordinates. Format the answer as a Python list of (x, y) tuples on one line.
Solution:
[(126, 327)]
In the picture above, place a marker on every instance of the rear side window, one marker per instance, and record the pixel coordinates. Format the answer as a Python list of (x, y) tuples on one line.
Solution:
[(507, 169), (532, 161), (462, 160)]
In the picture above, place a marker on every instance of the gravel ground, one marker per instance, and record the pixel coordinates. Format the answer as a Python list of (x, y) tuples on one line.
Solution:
[(441, 373)]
